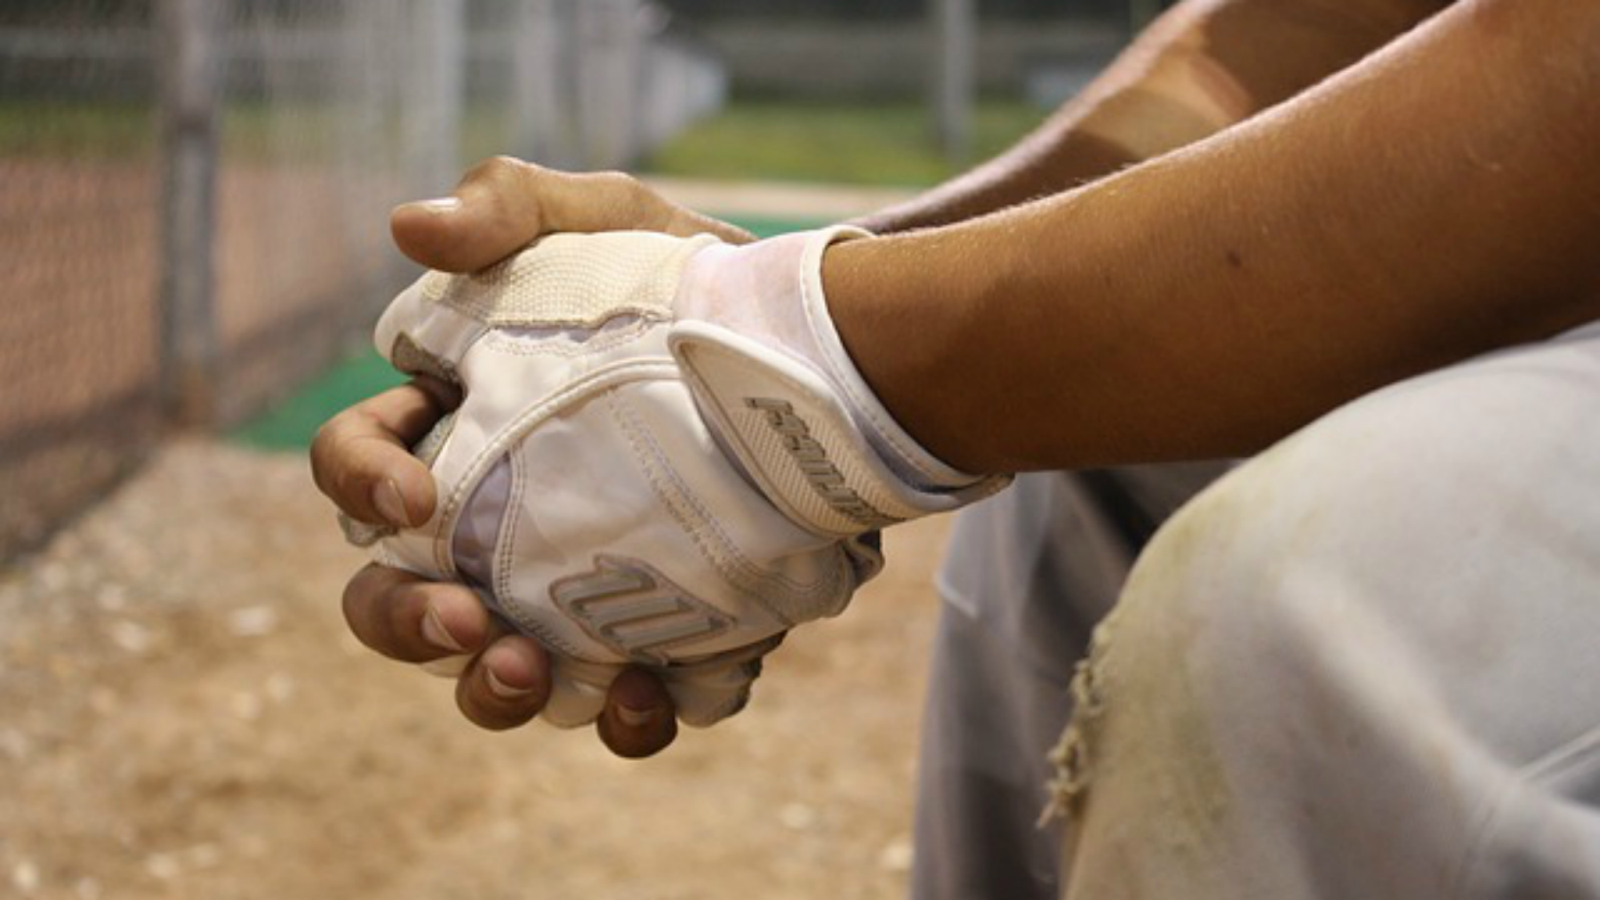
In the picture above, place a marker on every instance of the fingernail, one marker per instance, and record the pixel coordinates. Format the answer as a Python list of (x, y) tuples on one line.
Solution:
[(502, 690), (434, 632), (635, 718), (440, 205), (386, 497)]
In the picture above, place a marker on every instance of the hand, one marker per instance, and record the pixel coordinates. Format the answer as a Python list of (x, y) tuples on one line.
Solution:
[(503, 204), (361, 460), (664, 456)]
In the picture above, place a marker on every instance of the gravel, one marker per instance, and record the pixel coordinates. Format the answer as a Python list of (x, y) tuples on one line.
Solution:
[(184, 715)]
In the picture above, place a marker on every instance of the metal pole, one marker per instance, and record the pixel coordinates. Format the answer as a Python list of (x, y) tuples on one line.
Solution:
[(530, 115), (542, 129), (607, 71), (435, 93), (191, 88), (955, 23)]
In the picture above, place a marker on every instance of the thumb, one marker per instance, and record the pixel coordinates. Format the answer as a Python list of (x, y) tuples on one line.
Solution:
[(504, 204), (495, 210)]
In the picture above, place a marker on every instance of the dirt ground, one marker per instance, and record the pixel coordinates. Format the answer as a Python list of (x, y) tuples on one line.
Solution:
[(182, 715)]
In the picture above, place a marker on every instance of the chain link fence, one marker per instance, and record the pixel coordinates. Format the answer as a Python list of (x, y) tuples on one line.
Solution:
[(194, 193)]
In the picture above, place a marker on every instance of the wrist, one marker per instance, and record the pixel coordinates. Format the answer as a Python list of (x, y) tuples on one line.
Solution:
[(756, 342), (772, 293), (898, 305)]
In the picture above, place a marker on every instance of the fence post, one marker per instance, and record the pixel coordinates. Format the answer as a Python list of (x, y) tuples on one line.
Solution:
[(190, 86), (434, 93), (542, 103), (954, 24), (608, 73)]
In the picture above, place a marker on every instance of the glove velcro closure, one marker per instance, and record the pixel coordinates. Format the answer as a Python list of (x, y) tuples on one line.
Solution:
[(795, 438)]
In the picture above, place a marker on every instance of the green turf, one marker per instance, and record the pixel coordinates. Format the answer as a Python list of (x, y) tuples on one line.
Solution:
[(291, 424), (767, 226)]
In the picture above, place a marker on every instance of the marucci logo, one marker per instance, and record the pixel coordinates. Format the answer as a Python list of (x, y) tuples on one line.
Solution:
[(812, 458), (635, 610)]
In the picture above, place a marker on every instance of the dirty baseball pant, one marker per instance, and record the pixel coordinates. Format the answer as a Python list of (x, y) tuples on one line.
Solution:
[(1366, 664), (1027, 576)]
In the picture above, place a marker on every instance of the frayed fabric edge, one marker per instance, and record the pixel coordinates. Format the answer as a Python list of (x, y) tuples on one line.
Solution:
[(1071, 757)]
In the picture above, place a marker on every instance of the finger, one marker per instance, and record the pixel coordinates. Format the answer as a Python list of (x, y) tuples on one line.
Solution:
[(711, 690), (638, 719), (685, 222), (496, 208), (408, 618), (360, 459), (507, 686), (503, 204)]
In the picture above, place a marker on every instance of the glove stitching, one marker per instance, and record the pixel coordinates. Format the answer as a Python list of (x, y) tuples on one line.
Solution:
[(751, 579), (799, 512), (599, 342), (509, 605), (730, 563), (509, 526), (903, 509), (525, 421), (509, 293), (813, 300)]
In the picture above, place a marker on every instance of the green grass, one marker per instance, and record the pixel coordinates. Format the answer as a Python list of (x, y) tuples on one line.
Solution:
[(884, 143), (37, 128), (247, 132), (291, 424)]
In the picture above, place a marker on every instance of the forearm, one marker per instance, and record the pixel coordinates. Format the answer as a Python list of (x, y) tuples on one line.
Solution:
[(1434, 202), (1203, 66)]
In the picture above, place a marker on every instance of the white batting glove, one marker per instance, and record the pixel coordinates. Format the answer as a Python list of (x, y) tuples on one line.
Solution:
[(663, 457)]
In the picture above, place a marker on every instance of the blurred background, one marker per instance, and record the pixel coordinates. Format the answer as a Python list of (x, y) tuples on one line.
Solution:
[(193, 226)]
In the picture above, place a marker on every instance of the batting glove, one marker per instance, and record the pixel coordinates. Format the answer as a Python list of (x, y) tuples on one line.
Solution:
[(663, 457)]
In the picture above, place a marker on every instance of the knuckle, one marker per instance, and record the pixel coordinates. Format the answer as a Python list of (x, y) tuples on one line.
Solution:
[(326, 440), (330, 455), (349, 487), (613, 178), (619, 184), (321, 469), (495, 169)]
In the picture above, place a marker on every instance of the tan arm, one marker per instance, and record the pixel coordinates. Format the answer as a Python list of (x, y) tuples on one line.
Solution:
[(1436, 200), (1201, 67)]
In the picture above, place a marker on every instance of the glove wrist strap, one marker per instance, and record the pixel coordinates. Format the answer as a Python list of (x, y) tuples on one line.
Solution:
[(772, 375)]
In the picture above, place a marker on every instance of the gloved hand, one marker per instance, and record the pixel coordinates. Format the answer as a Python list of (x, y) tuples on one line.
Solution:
[(663, 456)]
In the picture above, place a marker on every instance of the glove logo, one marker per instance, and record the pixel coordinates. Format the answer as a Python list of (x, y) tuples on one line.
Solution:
[(812, 458), (635, 610)]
